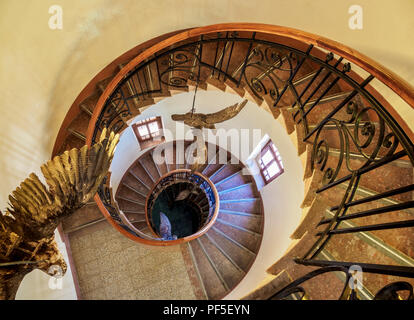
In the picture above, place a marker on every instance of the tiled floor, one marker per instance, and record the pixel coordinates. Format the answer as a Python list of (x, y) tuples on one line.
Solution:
[(110, 266)]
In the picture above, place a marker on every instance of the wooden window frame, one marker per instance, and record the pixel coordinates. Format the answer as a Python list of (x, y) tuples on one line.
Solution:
[(146, 123), (147, 142), (266, 147)]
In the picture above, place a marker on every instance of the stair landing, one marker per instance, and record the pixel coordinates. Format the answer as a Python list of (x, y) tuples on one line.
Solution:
[(111, 266)]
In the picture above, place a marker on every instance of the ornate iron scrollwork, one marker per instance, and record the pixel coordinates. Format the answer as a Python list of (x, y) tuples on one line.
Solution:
[(362, 127), (391, 291), (296, 290)]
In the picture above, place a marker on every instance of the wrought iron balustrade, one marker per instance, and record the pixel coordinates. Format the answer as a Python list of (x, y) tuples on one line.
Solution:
[(298, 80)]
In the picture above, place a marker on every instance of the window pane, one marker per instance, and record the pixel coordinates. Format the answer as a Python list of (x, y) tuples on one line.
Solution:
[(273, 170), (267, 157), (143, 131), (261, 164), (153, 127), (270, 162)]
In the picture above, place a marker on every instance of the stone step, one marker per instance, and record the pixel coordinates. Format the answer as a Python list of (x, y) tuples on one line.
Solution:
[(269, 286), (242, 191), (241, 255), (224, 173), (368, 237), (402, 163), (82, 218), (140, 175), (237, 178), (210, 276), (326, 99), (147, 163), (363, 293), (250, 223), (229, 274), (246, 238), (126, 192)]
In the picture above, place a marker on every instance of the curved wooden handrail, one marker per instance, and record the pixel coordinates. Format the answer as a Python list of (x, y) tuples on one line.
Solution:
[(400, 86), (126, 222)]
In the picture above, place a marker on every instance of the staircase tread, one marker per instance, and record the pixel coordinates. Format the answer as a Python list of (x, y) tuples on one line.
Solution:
[(82, 216), (229, 273), (238, 227), (256, 215), (133, 189), (246, 222), (227, 178), (228, 257), (235, 188), (212, 284), (212, 264), (246, 239), (139, 179), (130, 200), (233, 241), (373, 240)]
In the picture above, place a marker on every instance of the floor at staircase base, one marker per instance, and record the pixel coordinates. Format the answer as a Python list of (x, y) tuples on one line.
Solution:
[(110, 266), (192, 273)]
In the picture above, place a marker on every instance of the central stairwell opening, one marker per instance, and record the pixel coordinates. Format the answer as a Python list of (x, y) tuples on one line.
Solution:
[(181, 205), (186, 216)]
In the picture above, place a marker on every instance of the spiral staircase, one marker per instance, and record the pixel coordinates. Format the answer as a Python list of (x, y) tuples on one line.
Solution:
[(356, 150), (224, 254)]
